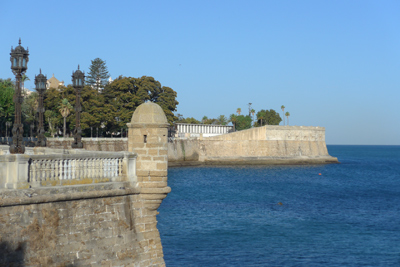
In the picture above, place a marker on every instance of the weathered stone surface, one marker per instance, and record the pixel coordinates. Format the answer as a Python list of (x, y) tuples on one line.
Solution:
[(261, 145), (82, 231), (97, 223)]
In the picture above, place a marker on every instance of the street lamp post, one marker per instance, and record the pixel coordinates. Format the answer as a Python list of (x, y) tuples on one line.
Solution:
[(19, 64), (40, 83), (78, 81)]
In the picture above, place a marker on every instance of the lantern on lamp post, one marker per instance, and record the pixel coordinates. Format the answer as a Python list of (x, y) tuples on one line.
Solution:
[(78, 82), (40, 83), (19, 64)]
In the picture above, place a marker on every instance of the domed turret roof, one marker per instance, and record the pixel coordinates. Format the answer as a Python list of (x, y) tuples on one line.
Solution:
[(149, 113), (19, 49)]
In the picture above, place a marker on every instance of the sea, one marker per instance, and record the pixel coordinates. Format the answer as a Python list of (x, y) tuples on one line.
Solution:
[(345, 214)]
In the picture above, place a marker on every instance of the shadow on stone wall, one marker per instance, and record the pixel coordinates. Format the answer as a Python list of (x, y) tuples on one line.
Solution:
[(12, 255)]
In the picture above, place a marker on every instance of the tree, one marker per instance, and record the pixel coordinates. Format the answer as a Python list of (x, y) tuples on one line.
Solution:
[(287, 114), (51, 119), (267, 117), (241, 122), (29, 111), (283, 110), (6, 102), (98, 75), (125, 94), (222, 120), (65, 109), (23, 79), (232, 118), (238, 111), (190, 120), (252, 111)]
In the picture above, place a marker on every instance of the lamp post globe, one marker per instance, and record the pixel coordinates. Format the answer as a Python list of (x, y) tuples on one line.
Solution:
[(19, 64), (78, 82), (40, 83)]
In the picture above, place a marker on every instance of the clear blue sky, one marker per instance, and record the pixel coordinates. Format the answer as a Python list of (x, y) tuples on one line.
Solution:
[(331, 63)]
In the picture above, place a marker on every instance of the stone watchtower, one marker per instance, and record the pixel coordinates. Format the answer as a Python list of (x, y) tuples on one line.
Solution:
[(148, 137)]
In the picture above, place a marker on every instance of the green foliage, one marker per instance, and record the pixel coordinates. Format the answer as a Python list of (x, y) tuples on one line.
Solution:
[(65, 109), (287, 114), (98, 74), (51, 118), (241, 122), (6, 102), (108, 110), (92, 103), (220, 120), (29, 108), (267, 117), (125, 94), (190, 120)]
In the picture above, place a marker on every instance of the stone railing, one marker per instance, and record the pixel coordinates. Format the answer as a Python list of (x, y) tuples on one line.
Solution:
[(57, 167)]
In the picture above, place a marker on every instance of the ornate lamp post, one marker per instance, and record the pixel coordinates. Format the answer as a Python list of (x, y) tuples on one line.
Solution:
[(19, 64), (78, 81), (40, 83)]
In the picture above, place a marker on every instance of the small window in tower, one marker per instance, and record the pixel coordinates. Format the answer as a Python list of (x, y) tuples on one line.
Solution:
[(145, 138)]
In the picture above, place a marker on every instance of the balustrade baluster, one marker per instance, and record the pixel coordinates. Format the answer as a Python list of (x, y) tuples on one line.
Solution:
[(32, 174), (78, 169), (108, 167), (98, 166), (114, 168), (69, 169), (90, 168), (84, 165), (111, 168), (57, 169), (120, 167), (73, 168), (102, 168), (52, 176), (62, 169), (42, 170)]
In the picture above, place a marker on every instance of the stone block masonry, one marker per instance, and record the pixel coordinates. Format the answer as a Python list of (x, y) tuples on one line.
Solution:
[(261, 145), (80, 226), (85, 208)]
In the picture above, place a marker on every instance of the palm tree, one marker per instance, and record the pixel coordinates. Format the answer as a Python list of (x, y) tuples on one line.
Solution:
[(252, 111), (23, 79), (232, 118), (260, 118), (65, 109), (239, 110), (283, 110), (287, 114)]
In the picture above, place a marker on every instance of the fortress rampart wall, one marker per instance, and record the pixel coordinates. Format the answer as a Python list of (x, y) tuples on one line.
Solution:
[(261, 145)]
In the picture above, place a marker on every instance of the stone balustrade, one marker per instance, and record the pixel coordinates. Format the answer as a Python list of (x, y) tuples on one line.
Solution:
[(57, 167)]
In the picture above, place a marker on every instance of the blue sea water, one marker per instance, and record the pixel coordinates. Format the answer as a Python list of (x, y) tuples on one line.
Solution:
[(286, 215)]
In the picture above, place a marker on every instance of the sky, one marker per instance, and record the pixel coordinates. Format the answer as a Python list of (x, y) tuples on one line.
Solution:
[(334, 64)]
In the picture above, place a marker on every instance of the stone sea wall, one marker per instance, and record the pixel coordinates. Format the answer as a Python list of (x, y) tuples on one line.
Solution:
[(78, 226), (262, 145), (94, 144), (76, 207)]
